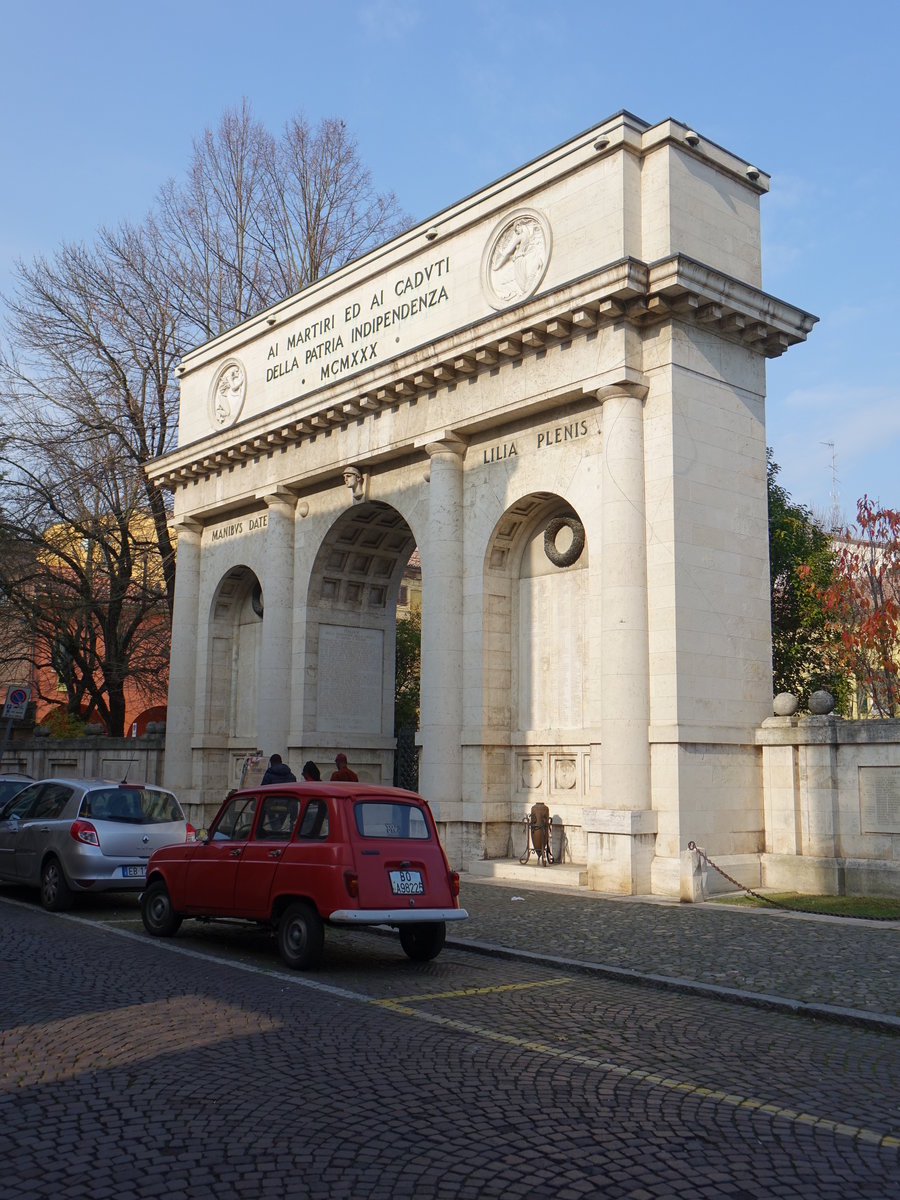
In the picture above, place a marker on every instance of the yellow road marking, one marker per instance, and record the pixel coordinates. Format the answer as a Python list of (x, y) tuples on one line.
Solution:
[(746, 1103), (477, 991), (402, 1007)]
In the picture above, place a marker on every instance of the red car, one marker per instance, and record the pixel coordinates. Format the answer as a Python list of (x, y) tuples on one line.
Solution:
[(295, 856)]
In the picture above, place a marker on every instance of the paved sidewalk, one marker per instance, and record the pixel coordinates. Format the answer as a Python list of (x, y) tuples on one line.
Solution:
[(827, 967)]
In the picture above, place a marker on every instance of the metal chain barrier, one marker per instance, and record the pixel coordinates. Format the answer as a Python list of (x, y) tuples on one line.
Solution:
[(777, 903)]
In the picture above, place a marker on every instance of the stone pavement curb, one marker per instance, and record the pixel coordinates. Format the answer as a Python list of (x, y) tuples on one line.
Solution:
[(802, 1008), (818, 967)]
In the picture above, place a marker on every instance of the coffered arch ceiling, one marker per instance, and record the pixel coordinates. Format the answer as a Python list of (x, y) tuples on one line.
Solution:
[(362, 558), (518, 524)]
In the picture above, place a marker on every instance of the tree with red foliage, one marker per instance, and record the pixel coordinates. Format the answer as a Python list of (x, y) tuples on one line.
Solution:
[(862, 605)]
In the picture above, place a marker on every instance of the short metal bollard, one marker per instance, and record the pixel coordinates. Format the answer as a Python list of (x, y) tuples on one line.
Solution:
[(538, 831)]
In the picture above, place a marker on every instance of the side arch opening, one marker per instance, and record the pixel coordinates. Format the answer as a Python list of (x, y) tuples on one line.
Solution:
[(538, 651)]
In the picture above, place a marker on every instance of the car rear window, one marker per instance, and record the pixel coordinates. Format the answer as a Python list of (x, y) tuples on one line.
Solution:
[(132, 806), (10, 788), (390, 819)]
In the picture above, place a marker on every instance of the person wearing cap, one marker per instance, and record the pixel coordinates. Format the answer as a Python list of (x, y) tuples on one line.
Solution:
[(343, 774)]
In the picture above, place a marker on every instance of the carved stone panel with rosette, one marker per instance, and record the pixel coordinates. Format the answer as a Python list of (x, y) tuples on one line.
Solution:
[(565, 774), (532, 773)]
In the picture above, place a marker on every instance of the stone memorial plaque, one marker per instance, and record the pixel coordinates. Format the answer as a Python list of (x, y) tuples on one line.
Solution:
[(551, 652), (879, 799), (350, 678)]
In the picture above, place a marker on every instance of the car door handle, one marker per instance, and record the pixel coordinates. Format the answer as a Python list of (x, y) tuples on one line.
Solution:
[(235, 853), (274, 854)]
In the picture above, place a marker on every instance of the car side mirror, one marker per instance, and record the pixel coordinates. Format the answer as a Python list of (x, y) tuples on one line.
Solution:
[(202, 835)]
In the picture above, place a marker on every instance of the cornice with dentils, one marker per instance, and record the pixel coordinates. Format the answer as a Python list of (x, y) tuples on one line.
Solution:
[(629, 291)]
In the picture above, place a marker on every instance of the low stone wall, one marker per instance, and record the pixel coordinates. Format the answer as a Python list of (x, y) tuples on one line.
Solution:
[(140, 759), (831, 792), (832, 805)]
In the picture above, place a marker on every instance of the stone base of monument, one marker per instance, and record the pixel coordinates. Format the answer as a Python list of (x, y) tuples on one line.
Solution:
[(830, 876), (621, 846), (505, 870)]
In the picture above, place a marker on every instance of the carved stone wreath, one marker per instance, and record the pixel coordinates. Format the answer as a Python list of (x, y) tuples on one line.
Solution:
[(564, 558)]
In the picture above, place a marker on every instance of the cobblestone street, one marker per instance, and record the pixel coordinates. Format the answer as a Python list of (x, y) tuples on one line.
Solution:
[(199, 1067)]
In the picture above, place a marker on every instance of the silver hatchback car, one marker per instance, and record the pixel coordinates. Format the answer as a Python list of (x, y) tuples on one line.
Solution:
[(70, 836)]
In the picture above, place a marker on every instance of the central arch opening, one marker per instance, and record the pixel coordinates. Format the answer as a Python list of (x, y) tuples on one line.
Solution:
[(351, 635)]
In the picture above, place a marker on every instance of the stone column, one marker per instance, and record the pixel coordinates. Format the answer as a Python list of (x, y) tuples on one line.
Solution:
[(442, 627), (178, 775), (273, 720), (627, 849)]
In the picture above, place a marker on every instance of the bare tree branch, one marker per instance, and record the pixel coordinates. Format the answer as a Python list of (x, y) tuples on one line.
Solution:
[(89, 396)]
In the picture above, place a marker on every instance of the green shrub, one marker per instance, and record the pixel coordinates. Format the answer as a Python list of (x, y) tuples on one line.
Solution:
[(64, 724)]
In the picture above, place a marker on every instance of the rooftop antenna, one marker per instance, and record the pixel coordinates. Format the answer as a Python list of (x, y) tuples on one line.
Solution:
[(835, 507)]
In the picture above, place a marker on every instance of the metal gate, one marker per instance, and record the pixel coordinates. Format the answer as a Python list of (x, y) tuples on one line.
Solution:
[(406, 760)]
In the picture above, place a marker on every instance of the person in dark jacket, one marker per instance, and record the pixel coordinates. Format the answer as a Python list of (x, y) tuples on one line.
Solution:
[(311, 772), (278, 772)]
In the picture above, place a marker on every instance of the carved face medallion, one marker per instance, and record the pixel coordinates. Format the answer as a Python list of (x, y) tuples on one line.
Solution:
[(227, 394), (516, 258)]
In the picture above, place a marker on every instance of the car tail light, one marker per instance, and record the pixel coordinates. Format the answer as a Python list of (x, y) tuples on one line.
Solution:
[(84, 831), (454, 883), (351, 883), (190, 833)]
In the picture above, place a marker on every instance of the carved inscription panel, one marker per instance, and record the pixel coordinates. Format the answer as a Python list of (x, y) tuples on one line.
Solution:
[(350, 679), (879, 799)]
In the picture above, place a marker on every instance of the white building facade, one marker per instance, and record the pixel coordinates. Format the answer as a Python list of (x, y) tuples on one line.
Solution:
[(555, 390)]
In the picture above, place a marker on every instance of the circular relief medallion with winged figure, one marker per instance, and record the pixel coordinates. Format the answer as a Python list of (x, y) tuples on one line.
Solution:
[(227, 394), (516, 258)]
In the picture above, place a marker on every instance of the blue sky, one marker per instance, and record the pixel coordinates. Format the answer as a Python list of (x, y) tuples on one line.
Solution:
[(101, 101)]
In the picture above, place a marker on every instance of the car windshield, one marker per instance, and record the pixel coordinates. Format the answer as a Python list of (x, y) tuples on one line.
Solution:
[(131, 805), (390, 819)]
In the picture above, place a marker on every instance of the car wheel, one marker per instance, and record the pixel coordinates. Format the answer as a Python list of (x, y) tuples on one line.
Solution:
[(56, 895), (423, 942), (301, 936), (157, 913)]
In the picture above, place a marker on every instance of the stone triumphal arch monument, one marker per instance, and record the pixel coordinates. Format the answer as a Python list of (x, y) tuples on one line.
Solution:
[(555, 391)]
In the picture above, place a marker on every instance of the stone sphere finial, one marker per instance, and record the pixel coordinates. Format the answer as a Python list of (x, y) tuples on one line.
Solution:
[(785, 704), (821, 703)]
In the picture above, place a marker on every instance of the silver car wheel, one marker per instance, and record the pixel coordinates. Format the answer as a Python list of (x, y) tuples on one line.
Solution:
[(56, 895)]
